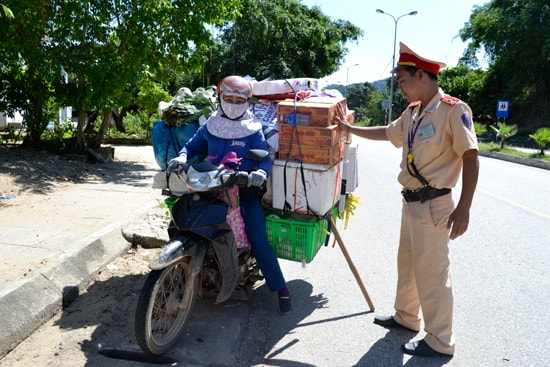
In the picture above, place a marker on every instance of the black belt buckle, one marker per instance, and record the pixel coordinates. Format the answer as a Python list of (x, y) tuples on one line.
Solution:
[(424, 194), (410, 195)]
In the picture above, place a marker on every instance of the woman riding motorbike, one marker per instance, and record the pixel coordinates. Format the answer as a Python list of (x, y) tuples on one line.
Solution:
[(233, 128)]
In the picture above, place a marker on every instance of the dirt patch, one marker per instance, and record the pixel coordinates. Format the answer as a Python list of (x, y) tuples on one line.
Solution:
[(102, 316), (27, 172), (103, 313)]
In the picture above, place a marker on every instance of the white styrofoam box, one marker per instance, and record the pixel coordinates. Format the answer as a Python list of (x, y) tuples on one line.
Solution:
[(283, 86), (267, 199), (350, 172), (322, 183)]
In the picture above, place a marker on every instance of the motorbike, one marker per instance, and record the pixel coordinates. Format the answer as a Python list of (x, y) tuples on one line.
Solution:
[(200, 256)]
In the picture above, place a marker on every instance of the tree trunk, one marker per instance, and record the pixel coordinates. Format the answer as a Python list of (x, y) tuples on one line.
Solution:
[(90, 125), (80, 139), (105, 124), (118, 118)]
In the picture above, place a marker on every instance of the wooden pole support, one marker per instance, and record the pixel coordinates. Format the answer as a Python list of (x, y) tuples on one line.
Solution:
[(351, 264)]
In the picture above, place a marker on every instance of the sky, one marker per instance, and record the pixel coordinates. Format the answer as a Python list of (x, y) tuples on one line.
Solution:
[(434, 28)]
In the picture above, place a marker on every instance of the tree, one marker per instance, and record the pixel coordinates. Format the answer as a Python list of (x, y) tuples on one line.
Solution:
[(374, 114), (282, 39), (104, 48), (467, 84), (358, 99), (115, 45), (515, 35), (25, 70)]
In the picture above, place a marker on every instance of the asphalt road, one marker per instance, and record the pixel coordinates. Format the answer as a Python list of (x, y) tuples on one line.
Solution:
[(500, 274)]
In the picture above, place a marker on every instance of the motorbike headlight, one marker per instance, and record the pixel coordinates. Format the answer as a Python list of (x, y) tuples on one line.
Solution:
[(203, 181)]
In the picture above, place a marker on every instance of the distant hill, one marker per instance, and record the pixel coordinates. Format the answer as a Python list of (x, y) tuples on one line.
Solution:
[(380, 85)]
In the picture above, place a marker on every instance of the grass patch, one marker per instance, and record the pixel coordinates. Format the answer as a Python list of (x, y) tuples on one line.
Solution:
[(494, 147)]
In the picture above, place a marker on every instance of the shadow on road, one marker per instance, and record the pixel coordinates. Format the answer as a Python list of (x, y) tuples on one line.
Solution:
[(386, 352), (39, 172)]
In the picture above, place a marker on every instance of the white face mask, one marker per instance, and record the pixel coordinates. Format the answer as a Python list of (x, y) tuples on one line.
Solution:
[(233, 111)]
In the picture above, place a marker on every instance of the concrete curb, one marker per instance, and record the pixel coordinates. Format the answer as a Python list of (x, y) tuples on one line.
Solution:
[(35, 300), (514, 159)]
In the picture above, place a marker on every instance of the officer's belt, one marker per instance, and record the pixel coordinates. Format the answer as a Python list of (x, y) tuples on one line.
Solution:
[(424, 194)]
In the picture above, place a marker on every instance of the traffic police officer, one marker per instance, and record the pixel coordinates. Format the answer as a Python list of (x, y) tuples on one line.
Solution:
[(439, 143)]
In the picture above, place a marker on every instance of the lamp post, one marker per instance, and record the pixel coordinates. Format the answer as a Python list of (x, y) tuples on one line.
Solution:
[(393, 58), (347, 73)]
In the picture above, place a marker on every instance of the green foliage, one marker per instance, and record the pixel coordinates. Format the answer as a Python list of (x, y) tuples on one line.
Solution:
[(466, 83), (137, 125), (163, 206), (357, 99), (494, 147), (11, 135), (480, 129), (58, 136), (25, 71), (504, 132), (5, 12), (149, 96), (516, 38), (541, 137), (191, 105), (375, 115), (281, 39), (103, 48)]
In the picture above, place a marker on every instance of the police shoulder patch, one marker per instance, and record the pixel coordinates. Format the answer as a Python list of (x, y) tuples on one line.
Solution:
[(450, 100), (467, 120)]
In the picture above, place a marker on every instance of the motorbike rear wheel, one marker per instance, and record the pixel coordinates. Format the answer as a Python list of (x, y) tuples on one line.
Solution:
[(164, 306)]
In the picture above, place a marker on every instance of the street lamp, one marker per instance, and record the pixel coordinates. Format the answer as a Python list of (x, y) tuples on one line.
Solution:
[(347, 73), (393, 59)]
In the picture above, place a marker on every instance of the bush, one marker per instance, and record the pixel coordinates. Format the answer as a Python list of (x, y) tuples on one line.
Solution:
[(504, 132), (480, 129), (541, 137), (138, 126)]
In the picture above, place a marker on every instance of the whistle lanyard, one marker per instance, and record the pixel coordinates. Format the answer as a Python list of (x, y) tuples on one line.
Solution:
[(412, 134), (410, 157)]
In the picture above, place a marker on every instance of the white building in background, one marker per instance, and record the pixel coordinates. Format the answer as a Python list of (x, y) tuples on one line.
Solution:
[(14, 122), (63, 114)]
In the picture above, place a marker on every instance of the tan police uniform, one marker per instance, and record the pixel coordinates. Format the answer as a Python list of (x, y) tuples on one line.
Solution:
[(436, 139)]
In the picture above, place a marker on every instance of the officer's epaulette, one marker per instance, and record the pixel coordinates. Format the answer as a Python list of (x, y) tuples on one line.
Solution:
[(450, 100), (414, 104)]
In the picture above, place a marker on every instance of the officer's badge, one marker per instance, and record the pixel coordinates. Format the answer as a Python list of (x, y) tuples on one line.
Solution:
[(467, 120)]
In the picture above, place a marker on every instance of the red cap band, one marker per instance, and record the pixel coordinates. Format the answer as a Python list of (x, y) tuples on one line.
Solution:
[(406, 59)]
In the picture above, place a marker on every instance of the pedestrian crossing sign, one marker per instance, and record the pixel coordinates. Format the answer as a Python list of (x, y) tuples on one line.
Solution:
[(502, 109)]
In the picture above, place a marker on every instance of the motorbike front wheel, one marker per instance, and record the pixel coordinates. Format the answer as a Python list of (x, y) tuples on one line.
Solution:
[(164, 306)]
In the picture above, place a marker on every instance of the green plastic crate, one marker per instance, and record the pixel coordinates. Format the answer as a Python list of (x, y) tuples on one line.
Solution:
[(170, 203), (294, 236)]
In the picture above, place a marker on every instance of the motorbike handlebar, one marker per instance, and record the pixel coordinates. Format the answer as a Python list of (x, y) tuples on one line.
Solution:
[(239, 178)]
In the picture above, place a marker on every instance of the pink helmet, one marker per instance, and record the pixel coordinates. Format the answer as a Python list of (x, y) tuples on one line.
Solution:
[(236, 86)]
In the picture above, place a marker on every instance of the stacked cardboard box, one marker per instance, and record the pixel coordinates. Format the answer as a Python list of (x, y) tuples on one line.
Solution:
[(322, 111), (311, 142), (315, 136)]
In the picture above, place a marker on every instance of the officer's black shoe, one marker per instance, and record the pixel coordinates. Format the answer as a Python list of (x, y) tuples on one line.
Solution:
[(389, 322), (422, 349)]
